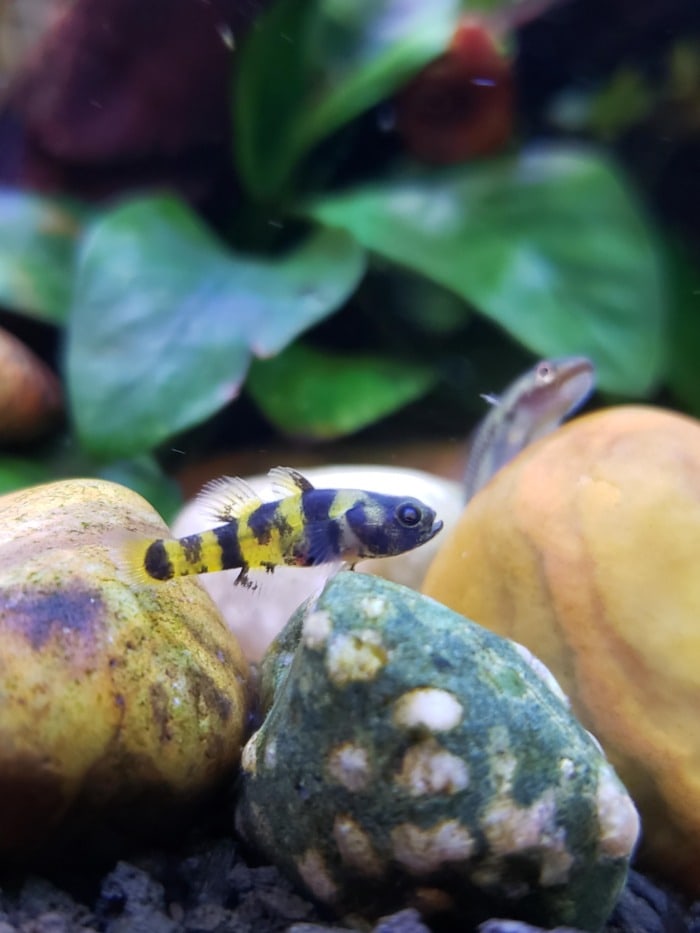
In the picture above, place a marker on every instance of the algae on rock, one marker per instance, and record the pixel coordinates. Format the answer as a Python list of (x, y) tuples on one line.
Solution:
[(120, 703), (408, 755)]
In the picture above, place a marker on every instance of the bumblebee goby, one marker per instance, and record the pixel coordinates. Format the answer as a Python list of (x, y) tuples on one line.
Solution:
[(304, 528)]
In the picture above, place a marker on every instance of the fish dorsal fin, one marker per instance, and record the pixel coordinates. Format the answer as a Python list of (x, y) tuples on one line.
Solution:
[(228, 498), (288, 482), (490, 398)]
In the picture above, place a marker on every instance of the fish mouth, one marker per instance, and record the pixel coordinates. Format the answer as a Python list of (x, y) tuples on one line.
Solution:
[(437, 526)]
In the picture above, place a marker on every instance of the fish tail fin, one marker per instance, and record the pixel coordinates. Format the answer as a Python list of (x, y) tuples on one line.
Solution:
[(132, 560)]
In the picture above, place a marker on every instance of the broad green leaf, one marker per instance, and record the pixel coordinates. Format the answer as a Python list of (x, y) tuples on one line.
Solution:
[(411, 304), (551, 245), (37, 245), (626, 100), (165, 319), (20, 472), (312, 394), (684, 349), (143, 475), (310, 66)]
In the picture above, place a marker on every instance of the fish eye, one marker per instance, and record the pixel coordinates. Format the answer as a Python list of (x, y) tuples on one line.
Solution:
[(545, 372), (408, 514)]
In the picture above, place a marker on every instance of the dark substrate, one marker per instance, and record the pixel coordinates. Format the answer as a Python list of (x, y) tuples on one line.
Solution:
[(209, 886)]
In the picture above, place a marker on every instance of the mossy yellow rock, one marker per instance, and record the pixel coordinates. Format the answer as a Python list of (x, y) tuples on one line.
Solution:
[(119, 703), (586, 549)]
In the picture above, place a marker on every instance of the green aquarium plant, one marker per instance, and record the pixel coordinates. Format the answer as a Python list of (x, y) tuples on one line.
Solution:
[(347, 282)]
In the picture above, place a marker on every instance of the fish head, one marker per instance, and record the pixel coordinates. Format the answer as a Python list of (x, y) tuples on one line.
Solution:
[(385, 525)]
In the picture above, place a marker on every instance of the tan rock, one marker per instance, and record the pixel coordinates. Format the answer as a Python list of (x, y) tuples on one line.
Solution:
[(114, 696), (585, 549)]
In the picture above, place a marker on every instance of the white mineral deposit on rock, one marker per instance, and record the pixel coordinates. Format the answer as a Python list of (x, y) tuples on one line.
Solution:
[(427, 768), (249, 758), (314, 873), (360, 656), (355, 847), (618, 817), (317, 628), (434, 709), (423, 851), (349, 765)]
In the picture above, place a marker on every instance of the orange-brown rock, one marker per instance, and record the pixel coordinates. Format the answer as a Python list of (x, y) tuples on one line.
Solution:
[(30, 394), (585, 549)]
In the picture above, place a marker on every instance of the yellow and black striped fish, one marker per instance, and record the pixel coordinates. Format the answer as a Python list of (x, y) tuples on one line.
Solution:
[(306, 527)]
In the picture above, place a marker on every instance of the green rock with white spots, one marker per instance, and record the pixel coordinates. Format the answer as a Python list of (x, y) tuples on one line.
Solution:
[(409, 756)]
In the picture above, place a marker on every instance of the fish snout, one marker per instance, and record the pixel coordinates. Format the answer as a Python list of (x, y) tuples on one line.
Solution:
[(437, 526)]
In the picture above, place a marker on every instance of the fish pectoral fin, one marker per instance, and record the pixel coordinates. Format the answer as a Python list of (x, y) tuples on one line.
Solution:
[(288, 482), (319, 548), (228, 498)]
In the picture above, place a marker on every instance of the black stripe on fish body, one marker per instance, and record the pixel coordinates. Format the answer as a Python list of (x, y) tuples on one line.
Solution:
[(283, 517), (192, 548), (372, 524), (269, 536), (316, 504), (156, 562), (322, 539), (286, 518), (285, 528), (262, 521), (227, 539)]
